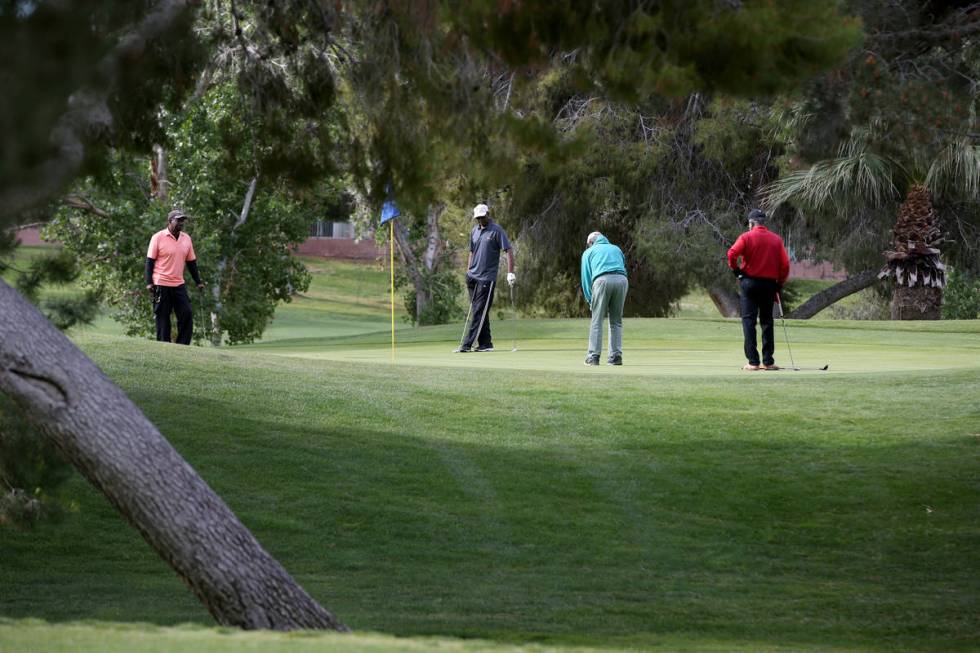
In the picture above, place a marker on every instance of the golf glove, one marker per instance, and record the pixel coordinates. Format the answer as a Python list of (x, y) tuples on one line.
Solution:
[(511, 278)]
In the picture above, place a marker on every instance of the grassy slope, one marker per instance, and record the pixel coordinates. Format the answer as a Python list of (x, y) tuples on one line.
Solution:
[(523, 497), (790, 509)]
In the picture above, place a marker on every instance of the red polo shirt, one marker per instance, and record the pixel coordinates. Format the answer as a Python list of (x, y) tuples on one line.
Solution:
[(763, 255), (170, 255)]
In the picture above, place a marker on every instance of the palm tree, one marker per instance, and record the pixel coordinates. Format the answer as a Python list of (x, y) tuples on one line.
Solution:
[(860, 176)]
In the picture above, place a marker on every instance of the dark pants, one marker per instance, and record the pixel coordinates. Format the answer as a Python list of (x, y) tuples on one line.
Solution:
[(481, 301), (173, 298), (758, 296)]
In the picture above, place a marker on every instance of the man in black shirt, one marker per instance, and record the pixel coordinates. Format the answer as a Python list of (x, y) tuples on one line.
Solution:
[(487, 240)]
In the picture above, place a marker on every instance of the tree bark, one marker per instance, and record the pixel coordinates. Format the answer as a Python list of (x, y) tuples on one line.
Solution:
[(918, 303), (159, 180), (429, 261), (834, 294), (725, 300), (220, 282), (109, 440)]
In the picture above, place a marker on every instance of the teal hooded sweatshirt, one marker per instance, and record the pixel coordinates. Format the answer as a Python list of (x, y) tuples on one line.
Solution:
[(602, 258)]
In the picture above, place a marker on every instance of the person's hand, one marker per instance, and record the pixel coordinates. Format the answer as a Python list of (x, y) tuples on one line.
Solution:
[(200, 286), (511, 278), (737, 272), (149, 287)]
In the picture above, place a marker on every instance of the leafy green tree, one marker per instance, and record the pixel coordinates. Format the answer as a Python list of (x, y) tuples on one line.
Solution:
[(245, 221), (962, 299), (670, 181)]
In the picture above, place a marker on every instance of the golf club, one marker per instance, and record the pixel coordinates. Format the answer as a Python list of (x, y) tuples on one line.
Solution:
[(779, 303), (466, 327), (513, 306)]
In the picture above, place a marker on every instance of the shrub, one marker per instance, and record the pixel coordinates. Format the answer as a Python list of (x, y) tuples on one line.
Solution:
[(961, 301)]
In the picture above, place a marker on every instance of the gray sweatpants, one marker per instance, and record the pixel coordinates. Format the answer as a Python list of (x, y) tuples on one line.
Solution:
[(608, 296)]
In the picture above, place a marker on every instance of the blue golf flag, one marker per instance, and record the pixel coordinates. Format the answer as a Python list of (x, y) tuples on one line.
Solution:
[(389, 211)]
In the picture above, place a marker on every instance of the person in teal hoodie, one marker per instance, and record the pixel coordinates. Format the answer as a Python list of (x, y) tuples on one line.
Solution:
[(605, 286)]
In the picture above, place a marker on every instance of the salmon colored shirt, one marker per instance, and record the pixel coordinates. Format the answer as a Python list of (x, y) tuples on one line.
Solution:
[(170, 255), (763, 255)]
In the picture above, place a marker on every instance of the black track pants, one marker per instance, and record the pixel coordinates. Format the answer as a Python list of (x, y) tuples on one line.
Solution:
[(757, 299), (481, 301), (175, 299)]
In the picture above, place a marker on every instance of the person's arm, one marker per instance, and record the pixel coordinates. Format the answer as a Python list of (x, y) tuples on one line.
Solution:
[(735, 252), (191, 263), (192, 267), (151, 257), (511, 277), (586, 279)]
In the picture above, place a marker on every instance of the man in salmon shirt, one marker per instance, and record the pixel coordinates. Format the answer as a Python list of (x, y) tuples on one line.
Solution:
[(170, 249), (762, 272)]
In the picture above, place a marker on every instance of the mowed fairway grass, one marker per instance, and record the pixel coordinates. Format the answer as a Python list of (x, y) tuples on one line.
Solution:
[(510, 498)]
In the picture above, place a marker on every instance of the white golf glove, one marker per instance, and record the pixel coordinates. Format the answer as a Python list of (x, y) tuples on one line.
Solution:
[(511, 278)]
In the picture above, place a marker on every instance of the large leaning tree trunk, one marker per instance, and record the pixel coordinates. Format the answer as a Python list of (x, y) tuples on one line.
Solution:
[(834, 294), (420, 266), (109, 440), (914, 263)]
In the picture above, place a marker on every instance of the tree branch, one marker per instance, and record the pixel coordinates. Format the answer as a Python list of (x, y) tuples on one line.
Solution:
[(79, 202), (408, 256), (434, 244), (964, 23)]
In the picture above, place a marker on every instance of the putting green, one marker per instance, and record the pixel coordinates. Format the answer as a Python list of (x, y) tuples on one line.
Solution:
[(664, 347)]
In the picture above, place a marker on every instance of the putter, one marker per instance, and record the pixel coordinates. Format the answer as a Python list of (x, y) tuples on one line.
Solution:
[(779, 303), (466, 327), (513, 306)]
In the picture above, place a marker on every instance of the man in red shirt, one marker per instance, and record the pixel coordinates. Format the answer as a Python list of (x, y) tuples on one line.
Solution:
[(762, 271), (170, 250)]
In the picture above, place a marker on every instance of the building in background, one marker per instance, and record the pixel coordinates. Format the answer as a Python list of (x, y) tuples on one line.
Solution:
[(335, 239)]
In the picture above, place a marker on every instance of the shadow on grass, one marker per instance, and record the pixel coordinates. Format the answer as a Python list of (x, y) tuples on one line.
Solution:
[(411, 533)]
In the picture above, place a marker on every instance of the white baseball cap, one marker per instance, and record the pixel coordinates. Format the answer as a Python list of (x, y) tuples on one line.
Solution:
[(480, 210)]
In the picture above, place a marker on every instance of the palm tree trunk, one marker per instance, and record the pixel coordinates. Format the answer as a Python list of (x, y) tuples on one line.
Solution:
[(914, 262), (918, 303)]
